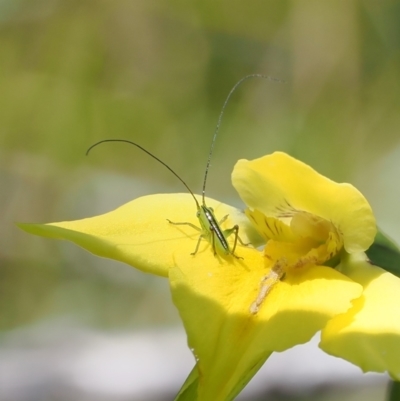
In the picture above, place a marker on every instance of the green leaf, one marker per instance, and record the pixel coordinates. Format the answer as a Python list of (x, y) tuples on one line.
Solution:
[(188, 392), (385, 253), (245, 380)]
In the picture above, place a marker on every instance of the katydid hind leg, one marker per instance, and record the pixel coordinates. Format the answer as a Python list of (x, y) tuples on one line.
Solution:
[(229, 231), (234, 230)]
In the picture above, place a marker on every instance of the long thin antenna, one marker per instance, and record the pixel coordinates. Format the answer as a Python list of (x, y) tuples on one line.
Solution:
[(150, 154), (220, 119)]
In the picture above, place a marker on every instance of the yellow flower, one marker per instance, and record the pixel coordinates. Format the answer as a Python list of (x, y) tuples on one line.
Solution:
[(311, 275)]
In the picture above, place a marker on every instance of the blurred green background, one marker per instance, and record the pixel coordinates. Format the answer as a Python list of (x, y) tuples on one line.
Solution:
[(73, 72)]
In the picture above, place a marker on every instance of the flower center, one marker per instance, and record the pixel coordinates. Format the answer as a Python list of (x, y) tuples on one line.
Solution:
[(301, 241)]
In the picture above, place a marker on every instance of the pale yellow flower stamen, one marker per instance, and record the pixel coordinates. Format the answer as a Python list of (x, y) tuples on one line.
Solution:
[(267, 283)]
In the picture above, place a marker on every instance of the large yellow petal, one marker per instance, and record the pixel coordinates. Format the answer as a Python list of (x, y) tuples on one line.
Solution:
[(214, 295), (278, 186), (368, 335), (138, 232)]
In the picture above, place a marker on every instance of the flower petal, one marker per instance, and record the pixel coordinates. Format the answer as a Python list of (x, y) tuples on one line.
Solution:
[(368, 335), (138, 232), (278, 186), (214, 295)]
